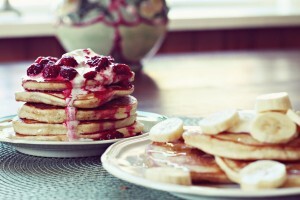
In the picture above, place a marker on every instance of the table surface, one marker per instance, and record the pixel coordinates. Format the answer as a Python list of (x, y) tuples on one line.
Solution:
[(186, 85), (193, 84)]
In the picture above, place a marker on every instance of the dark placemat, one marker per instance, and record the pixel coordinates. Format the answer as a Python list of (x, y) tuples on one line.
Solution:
[(30, 177)]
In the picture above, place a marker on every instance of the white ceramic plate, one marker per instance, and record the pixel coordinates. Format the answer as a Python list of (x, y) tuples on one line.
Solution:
[(66, 149), (126, 160)]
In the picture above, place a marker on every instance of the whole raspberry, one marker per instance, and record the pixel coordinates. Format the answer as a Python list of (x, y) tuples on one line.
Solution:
[(34, 69), (45, 60), (90, 75), (68, 61), (102, 65), (51, 71), (114, 135), (68, 73), (100, 62), (122, 70)]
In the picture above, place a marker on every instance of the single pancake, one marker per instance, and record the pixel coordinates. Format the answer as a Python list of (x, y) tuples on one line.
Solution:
[(31, 127), (91, 100), (61, 85), (119, 108), (242, 146), (124, 132)]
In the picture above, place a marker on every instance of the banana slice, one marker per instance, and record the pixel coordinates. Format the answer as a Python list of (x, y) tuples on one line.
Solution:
[(273, 127), (231, 174), (273, 102), (167, 131), (244, 124), (263, 174), (293, 116), (219, 122), (169, 175)]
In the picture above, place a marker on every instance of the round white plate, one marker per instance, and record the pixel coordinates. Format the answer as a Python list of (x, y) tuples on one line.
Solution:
[(126, 160), (66, 149)]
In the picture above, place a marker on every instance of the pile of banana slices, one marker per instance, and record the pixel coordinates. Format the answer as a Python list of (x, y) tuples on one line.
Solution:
[(272, 122)]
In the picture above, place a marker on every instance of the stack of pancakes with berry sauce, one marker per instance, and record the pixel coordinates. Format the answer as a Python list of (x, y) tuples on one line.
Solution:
[(81, 96)]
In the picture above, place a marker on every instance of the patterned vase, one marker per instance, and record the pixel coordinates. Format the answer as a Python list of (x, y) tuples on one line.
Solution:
[(128, 30)]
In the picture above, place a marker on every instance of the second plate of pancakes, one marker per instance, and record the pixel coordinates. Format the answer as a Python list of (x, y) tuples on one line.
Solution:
[(66, 148), (128, 160)]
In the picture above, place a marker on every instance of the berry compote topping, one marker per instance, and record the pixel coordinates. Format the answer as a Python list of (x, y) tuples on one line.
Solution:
[(34, 69), (100, 62), (51, 71), (103, 64), (125, 84), (44, 60), (87, 51), (122, 70), (67, 61), (111, 135), (122, 85), (68, 73), (90, 75)]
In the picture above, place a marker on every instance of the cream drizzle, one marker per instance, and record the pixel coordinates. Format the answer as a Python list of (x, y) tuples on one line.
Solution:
[(79, 87)]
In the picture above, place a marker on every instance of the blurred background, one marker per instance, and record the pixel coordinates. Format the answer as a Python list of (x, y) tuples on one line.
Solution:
[(27, 27)]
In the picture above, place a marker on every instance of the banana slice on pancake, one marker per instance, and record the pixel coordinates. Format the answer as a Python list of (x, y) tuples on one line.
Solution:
[(273, 102), (169, 175), (235, 167), (273, 127), (293, 116), (244, 123), (167, 131), (254, 175), (263, 174), (219, 122)]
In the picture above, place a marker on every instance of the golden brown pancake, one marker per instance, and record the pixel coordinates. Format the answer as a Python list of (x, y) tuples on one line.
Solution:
[(56, 85), (242, 146), (90, 100), (120, 108), (292, 168), (202, 166), (124, 132), (31, 127)]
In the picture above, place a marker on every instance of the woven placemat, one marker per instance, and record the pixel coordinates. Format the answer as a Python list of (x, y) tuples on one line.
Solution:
[(30, 177)]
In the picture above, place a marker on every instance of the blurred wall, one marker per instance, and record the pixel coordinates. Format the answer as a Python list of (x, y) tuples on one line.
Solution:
[(283, 38)]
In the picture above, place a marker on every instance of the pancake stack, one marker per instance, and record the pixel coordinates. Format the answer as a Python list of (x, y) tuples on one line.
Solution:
[(81, 96), (258, 149)]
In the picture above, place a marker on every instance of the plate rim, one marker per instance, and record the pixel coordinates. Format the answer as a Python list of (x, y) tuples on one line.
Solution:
[(62, 143), (109, 162)]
